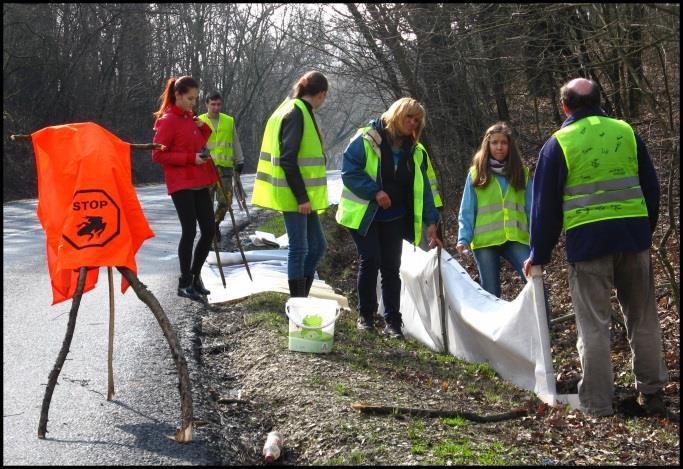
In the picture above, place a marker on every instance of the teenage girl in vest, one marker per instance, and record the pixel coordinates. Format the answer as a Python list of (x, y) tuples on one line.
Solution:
[(292, 147), (188, 177), (496, 179)]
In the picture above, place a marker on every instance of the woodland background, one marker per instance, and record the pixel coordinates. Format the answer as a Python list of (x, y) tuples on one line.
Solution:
[(469, 64)]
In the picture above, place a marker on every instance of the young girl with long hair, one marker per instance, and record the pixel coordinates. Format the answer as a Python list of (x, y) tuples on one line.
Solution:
[(291, 177), (494, 211), (188, 177)]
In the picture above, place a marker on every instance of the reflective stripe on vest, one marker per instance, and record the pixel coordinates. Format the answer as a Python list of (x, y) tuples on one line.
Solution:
[(221, 139), (431, 174), (352, 208), (500, 218), (270, 185), (602, 171)]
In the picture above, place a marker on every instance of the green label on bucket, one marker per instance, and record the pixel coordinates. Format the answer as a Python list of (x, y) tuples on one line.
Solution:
[(313, 321)]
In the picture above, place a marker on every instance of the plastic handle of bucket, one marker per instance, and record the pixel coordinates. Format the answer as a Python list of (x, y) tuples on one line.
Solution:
[(303, 326)]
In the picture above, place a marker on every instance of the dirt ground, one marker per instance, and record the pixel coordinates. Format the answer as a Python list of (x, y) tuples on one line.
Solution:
[(254, 384)]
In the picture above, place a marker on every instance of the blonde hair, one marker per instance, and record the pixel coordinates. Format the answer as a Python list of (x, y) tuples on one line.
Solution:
[(400, 109), (514, 169)]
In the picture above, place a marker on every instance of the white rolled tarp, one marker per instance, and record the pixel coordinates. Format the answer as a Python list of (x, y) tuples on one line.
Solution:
[(512, 337)]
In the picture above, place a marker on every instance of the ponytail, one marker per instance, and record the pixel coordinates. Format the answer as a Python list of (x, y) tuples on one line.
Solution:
[(310, 84)]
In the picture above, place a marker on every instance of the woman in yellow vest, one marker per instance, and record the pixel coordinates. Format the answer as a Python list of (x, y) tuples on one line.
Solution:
[(291, 178), (385, 199), (495, 207)]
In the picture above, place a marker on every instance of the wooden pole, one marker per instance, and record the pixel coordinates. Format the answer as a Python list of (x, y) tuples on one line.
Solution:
[(54, 374), (110, 355), (133, 146), (184, 434)]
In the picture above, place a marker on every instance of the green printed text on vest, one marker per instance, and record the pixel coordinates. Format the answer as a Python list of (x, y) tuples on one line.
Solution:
[(602, 171), (500, 217), (270, 186)]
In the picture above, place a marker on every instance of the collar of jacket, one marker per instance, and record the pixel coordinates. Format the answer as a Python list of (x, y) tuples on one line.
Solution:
[(581, 113), (176, 110)]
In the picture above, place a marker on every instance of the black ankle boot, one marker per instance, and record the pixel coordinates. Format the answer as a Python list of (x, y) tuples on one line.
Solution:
[(185, 289), (309, 283), (297, 288), (198, 285)]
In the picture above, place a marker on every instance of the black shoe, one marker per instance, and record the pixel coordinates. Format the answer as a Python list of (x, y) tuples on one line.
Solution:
[(218, 234), (297, 288), (309, 283), (198, 285), (364, 323), (652, 404), (393, 330), (188, 292)]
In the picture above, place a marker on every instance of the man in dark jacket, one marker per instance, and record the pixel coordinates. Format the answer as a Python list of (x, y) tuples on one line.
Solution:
[(595, 180)]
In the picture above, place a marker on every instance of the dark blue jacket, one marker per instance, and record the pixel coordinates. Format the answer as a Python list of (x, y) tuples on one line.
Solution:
[(359, 182), (592, 240)]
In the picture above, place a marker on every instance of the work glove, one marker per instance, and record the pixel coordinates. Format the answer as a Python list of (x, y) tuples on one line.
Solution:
[(239, 167)]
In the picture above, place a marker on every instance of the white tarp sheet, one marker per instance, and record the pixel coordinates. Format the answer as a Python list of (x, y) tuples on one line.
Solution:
[(268, 268), (512, 336)]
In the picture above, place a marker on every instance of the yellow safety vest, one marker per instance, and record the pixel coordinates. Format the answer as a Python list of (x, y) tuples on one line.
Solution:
[(431, 174), (270, 185), (352, 208), (221, 140), (500, 218), (602, 171)]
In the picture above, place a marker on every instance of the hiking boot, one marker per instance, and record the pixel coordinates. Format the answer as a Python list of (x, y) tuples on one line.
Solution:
[(364, 323), (198, 285), (652, 404), (393, 330)]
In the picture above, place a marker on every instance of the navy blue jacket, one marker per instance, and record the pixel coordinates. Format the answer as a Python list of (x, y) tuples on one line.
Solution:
[(592, 240), (359, 182)]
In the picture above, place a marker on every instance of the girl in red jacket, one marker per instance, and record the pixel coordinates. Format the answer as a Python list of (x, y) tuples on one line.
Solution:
[(188, 177)]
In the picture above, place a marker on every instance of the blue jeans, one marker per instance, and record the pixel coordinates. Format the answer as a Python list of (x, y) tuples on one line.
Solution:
[(306, 244), (488, 263)]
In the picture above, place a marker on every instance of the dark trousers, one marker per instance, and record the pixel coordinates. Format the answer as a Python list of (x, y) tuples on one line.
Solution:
[(194, 206), (380, 250)]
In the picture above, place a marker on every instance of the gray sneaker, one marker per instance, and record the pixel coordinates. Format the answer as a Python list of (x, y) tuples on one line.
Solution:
[(652, 404)]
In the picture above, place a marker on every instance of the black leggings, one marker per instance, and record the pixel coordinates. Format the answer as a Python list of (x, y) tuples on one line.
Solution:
[(194, 206)]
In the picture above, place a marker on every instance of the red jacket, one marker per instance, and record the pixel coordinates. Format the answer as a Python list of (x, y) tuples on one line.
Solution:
[(177, 131)]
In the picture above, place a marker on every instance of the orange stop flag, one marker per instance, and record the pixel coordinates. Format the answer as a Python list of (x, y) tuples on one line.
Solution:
[(87, 204)]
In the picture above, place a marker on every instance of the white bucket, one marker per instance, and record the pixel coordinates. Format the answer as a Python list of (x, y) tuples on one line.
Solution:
[(311, 324)]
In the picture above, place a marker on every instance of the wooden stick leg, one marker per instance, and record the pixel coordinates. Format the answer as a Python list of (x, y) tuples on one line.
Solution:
[(110, 354), (184, 434), (54, 374)]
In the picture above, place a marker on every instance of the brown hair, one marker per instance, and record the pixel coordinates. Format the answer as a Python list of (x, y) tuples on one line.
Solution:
[(514, 169), (182, 85), (309, 84), (398, 110)]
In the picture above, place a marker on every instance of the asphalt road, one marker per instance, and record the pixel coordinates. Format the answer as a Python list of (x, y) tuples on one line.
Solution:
[(84, 428)]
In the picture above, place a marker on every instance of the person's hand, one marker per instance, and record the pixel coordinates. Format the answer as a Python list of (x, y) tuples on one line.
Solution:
[(199, 160), (305, 208), (433, 238), (528, 267), (463, 248), (198, 122), (239, 167), (383, 199)]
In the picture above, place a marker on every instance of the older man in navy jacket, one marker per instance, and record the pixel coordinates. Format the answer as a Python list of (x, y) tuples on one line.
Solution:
[(595, 179)]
